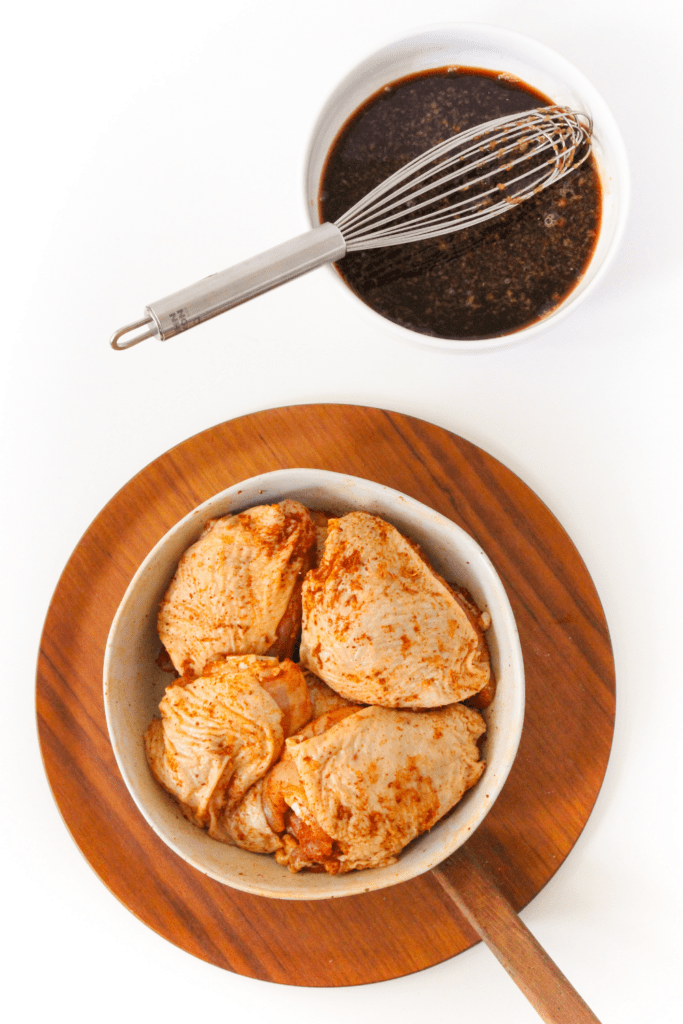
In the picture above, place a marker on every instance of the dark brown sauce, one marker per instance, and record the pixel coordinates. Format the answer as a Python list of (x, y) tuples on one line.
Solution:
[(484, 281)]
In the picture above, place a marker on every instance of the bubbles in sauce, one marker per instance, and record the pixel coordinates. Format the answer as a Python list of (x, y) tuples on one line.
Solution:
[(484, 281)]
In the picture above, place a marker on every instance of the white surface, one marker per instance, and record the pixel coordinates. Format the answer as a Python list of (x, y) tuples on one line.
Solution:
[(148, 144)]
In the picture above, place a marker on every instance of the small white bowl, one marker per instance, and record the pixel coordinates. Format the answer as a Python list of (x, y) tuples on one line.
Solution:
[(134, 684), (494, 49)]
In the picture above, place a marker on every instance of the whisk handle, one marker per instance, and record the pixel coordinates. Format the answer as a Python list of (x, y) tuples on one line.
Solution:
[(220, 292)]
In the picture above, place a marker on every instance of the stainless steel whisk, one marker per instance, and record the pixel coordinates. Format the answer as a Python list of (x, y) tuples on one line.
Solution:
[(468, 179)]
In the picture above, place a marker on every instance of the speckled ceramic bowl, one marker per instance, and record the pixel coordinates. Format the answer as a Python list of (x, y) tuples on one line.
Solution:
[(134, 684), (494, 49)]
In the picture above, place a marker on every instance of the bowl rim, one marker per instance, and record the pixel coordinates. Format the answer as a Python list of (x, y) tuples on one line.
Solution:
[(489, 34), (282, 483)]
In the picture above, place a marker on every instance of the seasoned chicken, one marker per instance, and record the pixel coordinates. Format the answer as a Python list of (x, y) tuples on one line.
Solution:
[(258, 821), (220, 733), (281, 758), (381, 627), (323, 697), (356, 786), (320, 521), (246, 825), (237, 590)]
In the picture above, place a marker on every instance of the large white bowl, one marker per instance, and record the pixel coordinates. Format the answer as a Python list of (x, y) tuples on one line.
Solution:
[(494, 49), (134, 684)]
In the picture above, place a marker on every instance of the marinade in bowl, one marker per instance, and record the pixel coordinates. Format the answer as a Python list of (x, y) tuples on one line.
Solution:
[(486, 281)]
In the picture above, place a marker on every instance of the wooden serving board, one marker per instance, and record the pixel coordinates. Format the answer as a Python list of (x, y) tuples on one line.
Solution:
[(552, 786)]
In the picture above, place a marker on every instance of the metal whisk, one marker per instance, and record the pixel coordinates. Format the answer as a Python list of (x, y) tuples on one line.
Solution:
[(466, 180)]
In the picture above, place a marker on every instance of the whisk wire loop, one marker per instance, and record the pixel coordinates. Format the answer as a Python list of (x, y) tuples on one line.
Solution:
[(469, 202), (511, 157), (512, 129)]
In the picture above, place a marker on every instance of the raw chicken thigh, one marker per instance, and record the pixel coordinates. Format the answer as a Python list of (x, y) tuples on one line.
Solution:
[(238, 589), (354, 787), (381, 627), (220, 733)]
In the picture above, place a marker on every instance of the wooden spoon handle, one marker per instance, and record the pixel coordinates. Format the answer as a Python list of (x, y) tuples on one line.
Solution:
[(508, 938)]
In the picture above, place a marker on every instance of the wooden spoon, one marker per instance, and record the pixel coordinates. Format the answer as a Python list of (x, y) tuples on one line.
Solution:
[(511, 942)]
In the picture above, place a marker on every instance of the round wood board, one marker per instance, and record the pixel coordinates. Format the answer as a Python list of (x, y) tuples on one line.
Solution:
[(554, 781)]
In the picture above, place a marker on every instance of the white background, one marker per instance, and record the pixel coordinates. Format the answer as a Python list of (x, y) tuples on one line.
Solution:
[(149, 143)]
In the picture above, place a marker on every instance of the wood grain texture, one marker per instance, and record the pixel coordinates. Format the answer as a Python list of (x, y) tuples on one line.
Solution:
[(482, 904), (552, 786)]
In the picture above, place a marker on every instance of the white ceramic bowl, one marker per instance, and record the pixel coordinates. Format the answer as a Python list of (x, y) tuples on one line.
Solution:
[(497, 49), (134, 685)]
